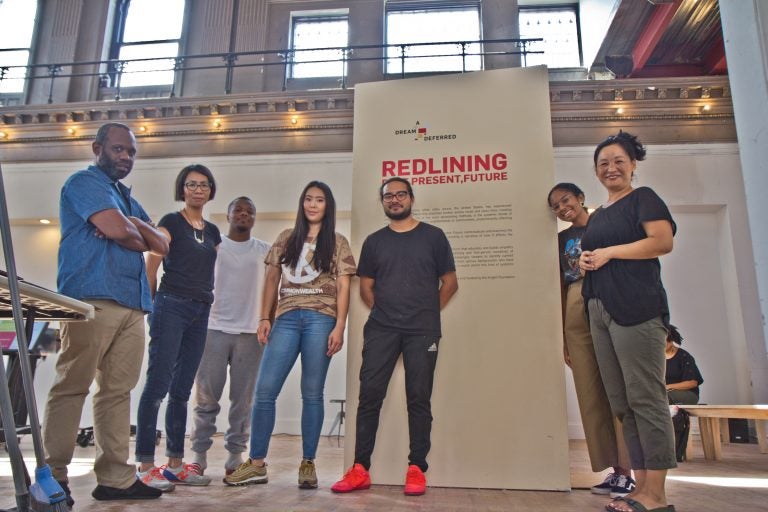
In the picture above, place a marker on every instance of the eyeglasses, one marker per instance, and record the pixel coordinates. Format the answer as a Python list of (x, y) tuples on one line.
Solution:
[(400, 195), (193, 185), (562, 202)]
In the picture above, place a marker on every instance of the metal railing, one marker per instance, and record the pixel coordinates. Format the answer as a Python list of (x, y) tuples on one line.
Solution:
[(111, 72)]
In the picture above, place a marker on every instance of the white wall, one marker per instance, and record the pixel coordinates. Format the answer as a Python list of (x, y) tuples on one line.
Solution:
[(707, 276)]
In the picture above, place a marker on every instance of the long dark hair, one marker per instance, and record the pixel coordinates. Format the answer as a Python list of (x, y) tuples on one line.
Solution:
[(325, 245)]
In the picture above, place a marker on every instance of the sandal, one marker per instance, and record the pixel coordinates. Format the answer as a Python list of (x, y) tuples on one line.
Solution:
[(636, 506)]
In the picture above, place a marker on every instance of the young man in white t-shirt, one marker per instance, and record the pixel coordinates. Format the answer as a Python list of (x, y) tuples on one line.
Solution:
[(231, 341)]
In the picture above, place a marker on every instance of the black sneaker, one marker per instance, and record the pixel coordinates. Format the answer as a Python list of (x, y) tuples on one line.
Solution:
[(606, 485), (137, 491), (623, 486), (65, 488)]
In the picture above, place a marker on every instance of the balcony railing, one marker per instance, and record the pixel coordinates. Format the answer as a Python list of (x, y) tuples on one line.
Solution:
[(111, 73)]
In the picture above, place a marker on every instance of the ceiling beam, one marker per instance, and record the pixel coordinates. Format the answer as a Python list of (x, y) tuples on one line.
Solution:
[(654, 30), (671, 70), (714, 60)]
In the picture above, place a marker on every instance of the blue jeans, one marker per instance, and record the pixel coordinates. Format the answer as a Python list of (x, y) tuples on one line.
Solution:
[(177, 329), (300, 331)]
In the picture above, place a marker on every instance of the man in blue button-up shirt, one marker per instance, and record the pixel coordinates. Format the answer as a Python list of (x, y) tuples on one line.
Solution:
[(104, 233)]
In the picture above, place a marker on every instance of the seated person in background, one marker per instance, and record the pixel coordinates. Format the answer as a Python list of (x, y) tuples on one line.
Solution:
[(683, 380), (683, 376)]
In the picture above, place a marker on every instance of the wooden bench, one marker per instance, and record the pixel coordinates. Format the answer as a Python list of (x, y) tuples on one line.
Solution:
[(713, 420)]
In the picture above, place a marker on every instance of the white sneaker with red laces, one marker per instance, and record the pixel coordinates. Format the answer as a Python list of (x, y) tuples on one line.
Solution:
[(186, 474), (154, 478)]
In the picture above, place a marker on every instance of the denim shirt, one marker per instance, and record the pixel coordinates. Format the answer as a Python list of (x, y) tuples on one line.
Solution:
[(91, 267)]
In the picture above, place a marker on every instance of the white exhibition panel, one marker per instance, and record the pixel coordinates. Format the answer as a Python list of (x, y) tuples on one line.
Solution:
[(478, 151)]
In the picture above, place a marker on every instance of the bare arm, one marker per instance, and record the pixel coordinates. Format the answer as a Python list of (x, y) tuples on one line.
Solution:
[(448, 287), (684, 385), (366, 290), (268, 302), (336, 338), (153, 264), (115, 226), (657, 243), (157, 239)]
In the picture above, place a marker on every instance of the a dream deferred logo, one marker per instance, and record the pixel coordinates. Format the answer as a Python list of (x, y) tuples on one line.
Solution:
[(420, 133)]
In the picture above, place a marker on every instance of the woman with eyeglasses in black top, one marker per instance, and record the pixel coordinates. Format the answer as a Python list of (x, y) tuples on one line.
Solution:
[(177, 329)]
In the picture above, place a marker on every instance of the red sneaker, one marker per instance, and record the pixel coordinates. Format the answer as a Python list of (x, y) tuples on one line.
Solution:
[(356, 479), (415, 481)]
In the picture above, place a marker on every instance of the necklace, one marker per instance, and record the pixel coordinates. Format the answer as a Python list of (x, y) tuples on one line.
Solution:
[(201, 238)]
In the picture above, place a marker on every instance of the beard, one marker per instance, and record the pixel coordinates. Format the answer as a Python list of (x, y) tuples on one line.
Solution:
[(110, 168), (403, 214)]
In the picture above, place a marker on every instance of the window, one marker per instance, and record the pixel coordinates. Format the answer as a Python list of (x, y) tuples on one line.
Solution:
[(559, 27), (147, 29), (420, 22), (320, 31), (15, 42)]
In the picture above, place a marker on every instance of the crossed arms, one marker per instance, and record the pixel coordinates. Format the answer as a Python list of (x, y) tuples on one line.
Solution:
[(129, 232)]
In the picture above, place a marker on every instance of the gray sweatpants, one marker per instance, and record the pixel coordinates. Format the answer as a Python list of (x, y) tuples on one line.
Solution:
[(632, 364), (242, 354)]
